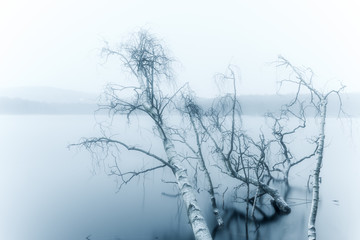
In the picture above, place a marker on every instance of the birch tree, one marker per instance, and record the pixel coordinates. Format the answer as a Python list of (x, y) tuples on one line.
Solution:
[(302, 78), (231, 146), (184, 135), (150, 66)]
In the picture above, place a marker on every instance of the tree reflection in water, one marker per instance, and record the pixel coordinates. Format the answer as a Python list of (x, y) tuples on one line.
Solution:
[(266, 223)]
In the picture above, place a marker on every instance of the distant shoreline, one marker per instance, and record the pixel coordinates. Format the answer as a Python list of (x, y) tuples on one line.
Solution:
[(252, 105)]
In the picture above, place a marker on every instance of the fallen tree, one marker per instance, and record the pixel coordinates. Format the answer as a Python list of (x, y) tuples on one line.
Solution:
[(150, 66), (222, 125)]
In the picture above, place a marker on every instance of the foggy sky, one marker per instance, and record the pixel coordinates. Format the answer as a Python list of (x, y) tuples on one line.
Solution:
[(57, 43)]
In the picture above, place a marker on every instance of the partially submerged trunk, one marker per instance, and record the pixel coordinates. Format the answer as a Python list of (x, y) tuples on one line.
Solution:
[(316, 186), (216, 212), (197, 221), (277, 200)]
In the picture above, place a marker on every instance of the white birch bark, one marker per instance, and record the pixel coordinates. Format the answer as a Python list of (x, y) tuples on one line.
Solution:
[(216, 211), (146, 58), (278, 200), (316, 187), (196, 219)]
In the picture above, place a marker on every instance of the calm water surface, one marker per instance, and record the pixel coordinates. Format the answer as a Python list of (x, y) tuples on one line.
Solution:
[(51, 192)]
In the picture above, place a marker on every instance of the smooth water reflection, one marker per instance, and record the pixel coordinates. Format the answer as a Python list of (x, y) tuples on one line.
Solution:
[(49, 192)]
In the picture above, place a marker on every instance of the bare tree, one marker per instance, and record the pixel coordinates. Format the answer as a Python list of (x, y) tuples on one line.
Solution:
[(191, 112), (222, 124), (285, 126), (302, 78), (148, 62)]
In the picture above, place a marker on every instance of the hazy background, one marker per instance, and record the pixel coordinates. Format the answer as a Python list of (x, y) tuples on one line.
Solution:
[(57, 43), (50, 64)]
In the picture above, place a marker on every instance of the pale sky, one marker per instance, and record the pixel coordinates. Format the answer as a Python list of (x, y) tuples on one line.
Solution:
[(57, 43)]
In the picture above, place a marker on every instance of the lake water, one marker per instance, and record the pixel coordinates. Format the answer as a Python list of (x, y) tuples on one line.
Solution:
[(50, 192)]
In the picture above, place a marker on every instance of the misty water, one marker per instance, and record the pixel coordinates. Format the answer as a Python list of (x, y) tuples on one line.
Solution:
[(51, 192)]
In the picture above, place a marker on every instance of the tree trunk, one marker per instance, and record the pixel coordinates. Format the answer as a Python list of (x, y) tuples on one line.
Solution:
[(278, 201), (197, 221), (216, 212), (316, 187)]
